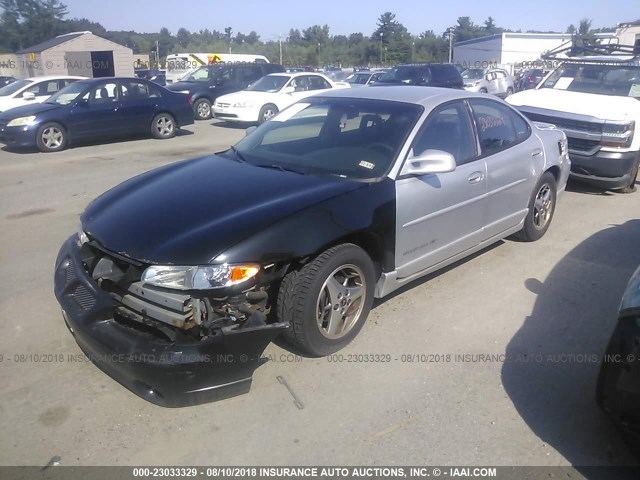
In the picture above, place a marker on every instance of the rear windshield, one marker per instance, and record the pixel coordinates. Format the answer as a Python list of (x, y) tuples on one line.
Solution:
[(601, 79), (444, 73), (405, 74)]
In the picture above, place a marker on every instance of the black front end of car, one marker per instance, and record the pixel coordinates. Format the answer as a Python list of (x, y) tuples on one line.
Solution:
[(172, 367)]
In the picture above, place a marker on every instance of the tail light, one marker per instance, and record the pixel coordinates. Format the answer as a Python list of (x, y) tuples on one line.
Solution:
[(189, 99)]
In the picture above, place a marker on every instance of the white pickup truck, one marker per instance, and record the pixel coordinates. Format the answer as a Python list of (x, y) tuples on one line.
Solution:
[(596, 102)]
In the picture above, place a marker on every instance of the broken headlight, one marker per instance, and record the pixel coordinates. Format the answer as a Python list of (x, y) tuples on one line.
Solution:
[(199, 277)]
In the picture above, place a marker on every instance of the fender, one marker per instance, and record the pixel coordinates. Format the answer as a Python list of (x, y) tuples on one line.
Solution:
[(365, 216)]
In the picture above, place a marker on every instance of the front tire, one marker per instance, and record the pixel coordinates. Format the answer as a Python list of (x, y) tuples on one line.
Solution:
[(541, 208), (51, 137), (202, 109), (267, 113), (509, 91), (163, 126), (328, 300)]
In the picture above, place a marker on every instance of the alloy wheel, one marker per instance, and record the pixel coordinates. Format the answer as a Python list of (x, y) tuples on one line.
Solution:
[(341, 301), (542, 207), (52, 137)]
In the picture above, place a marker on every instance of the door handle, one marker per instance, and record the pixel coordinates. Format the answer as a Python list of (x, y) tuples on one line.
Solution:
[(536, 152), (476, 177)]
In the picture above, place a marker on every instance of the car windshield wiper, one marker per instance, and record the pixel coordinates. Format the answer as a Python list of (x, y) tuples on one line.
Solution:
[(281, 168), (239, 157)]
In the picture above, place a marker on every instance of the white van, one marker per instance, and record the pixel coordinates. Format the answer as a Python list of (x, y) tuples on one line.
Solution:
[(179, 64)]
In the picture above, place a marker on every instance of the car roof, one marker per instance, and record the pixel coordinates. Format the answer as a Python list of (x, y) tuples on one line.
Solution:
[(54, 77), (402, 93), (294, 74)]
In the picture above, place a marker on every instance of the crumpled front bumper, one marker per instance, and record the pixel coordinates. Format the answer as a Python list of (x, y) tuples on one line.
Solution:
[(170, 374)]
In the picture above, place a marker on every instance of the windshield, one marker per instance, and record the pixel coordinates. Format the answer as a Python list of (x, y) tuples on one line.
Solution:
[(347, 137), (473, 74), (601, 79), (358, 78), (204, 73), (14, 87), (68, 94), (270, 83)]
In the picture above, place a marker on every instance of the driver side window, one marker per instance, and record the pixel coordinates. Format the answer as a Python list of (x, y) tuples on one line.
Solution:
[(104, 93), (448, 129)]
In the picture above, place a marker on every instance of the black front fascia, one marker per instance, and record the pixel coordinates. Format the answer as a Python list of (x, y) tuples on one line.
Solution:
[(170, 374)]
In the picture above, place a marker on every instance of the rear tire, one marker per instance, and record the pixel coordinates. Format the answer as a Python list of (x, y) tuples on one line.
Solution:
[(327, 301), (509, 91), (202, 109), (51, 137), (267, 112), (163, 126), (541, 208)]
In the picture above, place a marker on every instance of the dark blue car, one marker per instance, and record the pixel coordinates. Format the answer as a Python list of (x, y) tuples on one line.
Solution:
[(94, 109)]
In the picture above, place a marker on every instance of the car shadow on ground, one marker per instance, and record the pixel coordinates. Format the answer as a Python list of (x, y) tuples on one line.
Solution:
[(552, 362), (579, 187), (108, 141), (231, 125)]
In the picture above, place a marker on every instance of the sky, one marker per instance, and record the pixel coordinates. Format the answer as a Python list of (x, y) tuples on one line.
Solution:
[(271, 18)]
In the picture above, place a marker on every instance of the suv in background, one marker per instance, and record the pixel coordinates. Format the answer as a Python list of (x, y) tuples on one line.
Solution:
[(206, 83), (594, 100), (425, 74), (495, 81)]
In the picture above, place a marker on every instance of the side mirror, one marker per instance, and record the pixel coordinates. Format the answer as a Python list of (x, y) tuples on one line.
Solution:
[(288, 90), (249, 130), (430, 161), (29, 96)]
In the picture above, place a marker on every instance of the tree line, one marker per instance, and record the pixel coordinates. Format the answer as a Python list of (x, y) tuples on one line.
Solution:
[(24, 23)]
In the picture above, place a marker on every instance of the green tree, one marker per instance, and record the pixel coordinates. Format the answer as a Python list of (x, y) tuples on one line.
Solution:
[(184, 37), (28, 22)]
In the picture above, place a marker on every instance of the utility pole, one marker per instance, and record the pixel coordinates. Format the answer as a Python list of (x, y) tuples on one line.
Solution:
[(451, 36), (413, 51), (381, 35), (280, 41), (157, 55)]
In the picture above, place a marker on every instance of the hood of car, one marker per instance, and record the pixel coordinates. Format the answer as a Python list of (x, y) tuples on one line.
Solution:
[(189, 212), (27, 110), (605, 107)]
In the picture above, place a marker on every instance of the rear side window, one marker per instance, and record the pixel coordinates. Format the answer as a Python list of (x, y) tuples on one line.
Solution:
[(132, 90), (498, 127), (248, 73), (318, 83), (446, 75)]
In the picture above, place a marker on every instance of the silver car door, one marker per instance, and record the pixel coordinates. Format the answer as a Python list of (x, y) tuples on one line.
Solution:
[(440, 215), (509, 150)]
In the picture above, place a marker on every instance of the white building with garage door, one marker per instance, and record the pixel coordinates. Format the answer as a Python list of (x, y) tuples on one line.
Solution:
[(78, 53)]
